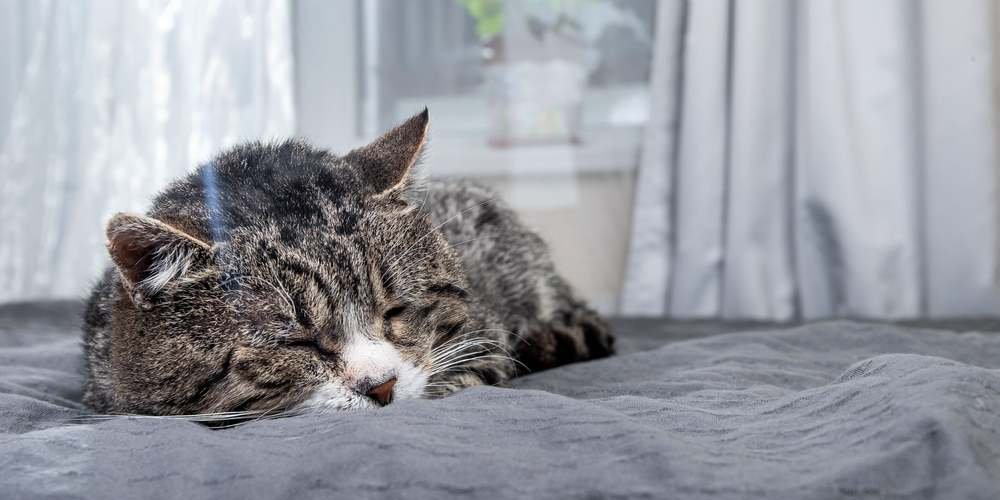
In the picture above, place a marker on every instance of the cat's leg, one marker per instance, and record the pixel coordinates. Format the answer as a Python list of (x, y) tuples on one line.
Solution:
[(489, 371), (451, 383), (511, 272)]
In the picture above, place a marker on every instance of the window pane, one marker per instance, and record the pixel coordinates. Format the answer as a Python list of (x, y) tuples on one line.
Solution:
[(524, 61), (543, 100)]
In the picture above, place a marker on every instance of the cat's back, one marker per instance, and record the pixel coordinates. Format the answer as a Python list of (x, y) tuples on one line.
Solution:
[(506, 263), (472, 216)]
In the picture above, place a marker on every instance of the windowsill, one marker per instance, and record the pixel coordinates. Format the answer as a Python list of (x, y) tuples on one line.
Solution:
[(611, 149), (613, 121)]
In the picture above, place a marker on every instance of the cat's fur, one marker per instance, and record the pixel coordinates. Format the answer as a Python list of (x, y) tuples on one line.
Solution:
[(282, 276)]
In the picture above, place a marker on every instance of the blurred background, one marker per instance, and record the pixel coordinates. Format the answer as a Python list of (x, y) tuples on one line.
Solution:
[(766, 159)]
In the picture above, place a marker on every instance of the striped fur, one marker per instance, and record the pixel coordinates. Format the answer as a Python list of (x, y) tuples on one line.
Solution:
[(280, 277)]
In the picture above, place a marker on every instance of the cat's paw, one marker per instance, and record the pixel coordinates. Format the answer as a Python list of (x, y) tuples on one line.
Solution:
[(596, 335), (579, 335), (448, 384)]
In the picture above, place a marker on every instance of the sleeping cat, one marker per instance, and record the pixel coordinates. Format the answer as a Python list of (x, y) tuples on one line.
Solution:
[(282, 277)]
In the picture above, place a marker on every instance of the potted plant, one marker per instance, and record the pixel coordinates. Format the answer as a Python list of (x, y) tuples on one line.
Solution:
[(537, 56)]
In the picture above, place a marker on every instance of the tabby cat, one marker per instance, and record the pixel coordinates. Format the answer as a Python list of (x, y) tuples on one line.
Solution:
[(280, 276)]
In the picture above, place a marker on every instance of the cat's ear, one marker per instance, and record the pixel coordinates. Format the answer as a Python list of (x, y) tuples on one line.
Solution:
[(149, 253), (385, 164)]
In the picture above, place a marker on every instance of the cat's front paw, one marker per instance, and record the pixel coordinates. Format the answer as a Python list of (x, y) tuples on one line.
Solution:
[(448, 384)]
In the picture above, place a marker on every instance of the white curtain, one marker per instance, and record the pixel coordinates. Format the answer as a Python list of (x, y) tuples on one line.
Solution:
[(103, 102), (821, 158)]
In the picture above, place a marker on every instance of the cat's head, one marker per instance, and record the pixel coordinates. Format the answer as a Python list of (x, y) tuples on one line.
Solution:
[(278, 276)]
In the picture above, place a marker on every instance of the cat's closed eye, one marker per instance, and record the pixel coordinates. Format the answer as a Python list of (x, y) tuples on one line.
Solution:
[(394, 312), (307, 343)]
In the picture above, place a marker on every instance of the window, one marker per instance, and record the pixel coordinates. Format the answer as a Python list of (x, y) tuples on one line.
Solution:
[(543, 100), (512, 74)]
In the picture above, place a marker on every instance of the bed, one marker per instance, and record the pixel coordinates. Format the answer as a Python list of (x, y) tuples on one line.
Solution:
[(687, 410)]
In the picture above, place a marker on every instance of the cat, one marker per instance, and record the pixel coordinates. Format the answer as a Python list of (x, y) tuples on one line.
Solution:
[(281, 276)]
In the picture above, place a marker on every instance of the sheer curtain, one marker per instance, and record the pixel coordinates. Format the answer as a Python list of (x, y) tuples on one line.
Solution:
[(822, 158), (103, 102)]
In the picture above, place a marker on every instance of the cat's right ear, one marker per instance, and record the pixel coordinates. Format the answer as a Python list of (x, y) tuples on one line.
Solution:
[(149, 253), (386, 163)]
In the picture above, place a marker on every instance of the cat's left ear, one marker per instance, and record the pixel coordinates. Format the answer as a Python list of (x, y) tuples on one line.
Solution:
[(385, 165), (149, 253)]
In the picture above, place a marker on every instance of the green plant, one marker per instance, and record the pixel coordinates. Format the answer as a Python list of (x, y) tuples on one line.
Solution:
[(566, 18), (488, 15)]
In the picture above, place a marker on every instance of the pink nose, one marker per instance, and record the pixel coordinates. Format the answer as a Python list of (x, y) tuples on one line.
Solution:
[(382, 393)]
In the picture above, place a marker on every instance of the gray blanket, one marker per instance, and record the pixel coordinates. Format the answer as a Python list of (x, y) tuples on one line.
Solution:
[(829, 410)]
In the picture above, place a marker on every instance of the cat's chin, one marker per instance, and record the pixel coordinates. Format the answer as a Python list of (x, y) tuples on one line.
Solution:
[(335, 396)]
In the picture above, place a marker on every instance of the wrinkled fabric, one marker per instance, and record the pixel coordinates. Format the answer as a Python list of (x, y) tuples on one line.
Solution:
[(816, 159), (824, 411), (103, 102)]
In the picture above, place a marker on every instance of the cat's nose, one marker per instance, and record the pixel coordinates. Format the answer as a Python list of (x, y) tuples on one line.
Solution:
[(382, 393)]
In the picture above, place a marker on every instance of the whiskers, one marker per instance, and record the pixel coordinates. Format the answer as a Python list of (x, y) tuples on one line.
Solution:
[(466, 354), (215, 420)]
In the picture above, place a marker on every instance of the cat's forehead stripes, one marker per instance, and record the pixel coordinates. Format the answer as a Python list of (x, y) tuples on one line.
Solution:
[(322, 277), (448, 289), (308, 286)]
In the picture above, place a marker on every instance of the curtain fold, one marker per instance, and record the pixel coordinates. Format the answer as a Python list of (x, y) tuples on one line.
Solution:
[(814, 159), (106, 101)]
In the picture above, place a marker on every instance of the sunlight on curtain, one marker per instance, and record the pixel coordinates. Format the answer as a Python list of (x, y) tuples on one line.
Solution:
[(104, 102), (814, 159)]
